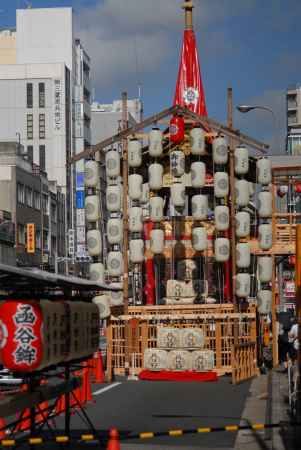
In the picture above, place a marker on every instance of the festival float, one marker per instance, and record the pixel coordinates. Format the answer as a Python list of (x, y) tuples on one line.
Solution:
[(188, 237)]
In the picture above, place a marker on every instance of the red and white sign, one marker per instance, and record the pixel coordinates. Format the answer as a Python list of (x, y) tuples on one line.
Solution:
[(289, 289), (21, 335)]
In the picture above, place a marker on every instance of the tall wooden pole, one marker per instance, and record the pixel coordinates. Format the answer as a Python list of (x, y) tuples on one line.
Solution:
[(188, 7), (125, 204), (232, 192), (298, 285)]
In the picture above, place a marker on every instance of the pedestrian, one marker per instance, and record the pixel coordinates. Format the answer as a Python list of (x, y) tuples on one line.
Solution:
[(283, 346), (293, 341)]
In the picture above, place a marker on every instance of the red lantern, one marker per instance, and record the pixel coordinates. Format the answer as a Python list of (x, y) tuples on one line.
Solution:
[(292, 260), (177, 129), (298, 188), (21, 339)]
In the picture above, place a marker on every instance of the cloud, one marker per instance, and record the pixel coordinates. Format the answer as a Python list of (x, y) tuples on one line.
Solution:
[(120, 34), (262, 124)]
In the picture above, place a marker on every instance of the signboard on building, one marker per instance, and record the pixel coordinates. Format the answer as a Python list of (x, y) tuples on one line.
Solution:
[(79, 122), (31, 238), (81, 235), (80, 217), (289, 289), (57, 105), (71, 242), (80, 199)]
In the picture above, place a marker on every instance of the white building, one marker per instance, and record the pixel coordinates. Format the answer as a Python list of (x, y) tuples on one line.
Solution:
[(293, 101), (45, 99), (106, 118)]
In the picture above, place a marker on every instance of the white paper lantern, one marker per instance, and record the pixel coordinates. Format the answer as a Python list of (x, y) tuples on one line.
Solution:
[(155, 142), (157, 241), (155, 359), (116, 298), (136, 251), (115, 264), (177, 163), (91, 173), (242, 193), (92, 208), (243, 255), (264, 301), (198, 174), (221, 184), (265, 269), (145, 193), (114, 231), (197, 141), (113, 163), (113, 198), (265, 236), (135, 186), (243, 224), (103, 304), (156, 209), (134, 153), (220, 150), (243, 285), (155, 174), (264, 171), (199, 239), (202, 360), (199, 206), (241, 155), (179, 360), (94, 242), (265, 207), (178, 194), (222, 218), (97, 272), (135, 220), (222, 249)]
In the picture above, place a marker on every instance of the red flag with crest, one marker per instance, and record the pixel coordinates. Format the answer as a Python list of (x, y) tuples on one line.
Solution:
[(189, 90)]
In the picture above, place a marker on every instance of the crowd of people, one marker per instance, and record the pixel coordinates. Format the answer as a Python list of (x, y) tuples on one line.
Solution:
[(288, 342)]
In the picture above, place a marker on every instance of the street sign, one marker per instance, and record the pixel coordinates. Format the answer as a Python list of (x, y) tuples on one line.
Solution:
[(71, 242), (31, 238)]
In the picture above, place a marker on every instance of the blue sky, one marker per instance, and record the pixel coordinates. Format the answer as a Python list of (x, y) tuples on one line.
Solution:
[(252, 45)]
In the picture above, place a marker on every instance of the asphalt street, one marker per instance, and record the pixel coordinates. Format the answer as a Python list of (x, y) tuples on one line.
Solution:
[(136, 406)]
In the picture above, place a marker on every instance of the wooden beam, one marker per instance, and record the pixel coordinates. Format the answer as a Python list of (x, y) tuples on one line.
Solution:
[(239, 137), (90, 152)]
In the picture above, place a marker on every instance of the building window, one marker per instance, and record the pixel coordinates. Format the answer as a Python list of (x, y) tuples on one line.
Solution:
[(45, 240), (42, 95), (53, 212), (30, 153), (29, 95), (36, 200), (21, 193), (42, 126), (29, 196), (38, 239), (42, 161), (45, 204), (29, 126), (21, 234)]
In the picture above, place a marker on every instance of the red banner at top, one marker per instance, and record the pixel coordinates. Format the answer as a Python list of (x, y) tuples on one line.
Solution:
[(189, 90)]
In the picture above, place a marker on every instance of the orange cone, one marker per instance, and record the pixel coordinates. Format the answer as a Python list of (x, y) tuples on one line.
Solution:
[(42, 408), (86, 392), (26, 421), (61, 405), (113, 442), (98, 372), (2, 430)]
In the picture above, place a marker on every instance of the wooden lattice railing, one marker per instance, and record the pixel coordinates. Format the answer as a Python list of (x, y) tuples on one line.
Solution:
[(244, 362)]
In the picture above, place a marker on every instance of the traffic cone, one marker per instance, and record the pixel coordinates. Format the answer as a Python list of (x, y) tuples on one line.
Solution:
[(42, 409), (99, 376), (2, 428), (25, 424), (113, 442), (86, 392), (60, 406)]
